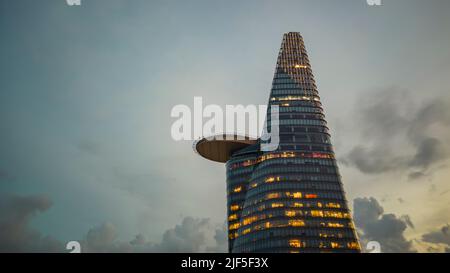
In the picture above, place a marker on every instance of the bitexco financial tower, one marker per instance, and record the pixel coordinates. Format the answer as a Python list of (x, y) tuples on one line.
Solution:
[(291, 199)]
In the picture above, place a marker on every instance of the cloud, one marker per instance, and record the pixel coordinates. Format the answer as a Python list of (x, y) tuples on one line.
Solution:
[(16, 234), (441, 236), (416, 176), (407, 137), (221, 238), (16, 212), (192, 235), (375, 225), (407, 220)]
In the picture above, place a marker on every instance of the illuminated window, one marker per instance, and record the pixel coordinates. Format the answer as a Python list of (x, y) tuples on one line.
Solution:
[(232, 217), (295, 243), (290, 213), (237, 189), (277, 205), (234, 226), (333, 205), (322, 155), (335, 225), (245, 231), (298, 205), (310, 196), (287, 154), (249, 220), (335, 245), (353, 245), (290, 98), (270, 179), (335, 214), (234, 207), (282, 155), (300, 66), (317, 213), (273, 195), (296, 223), (267, 225), (297, 195)]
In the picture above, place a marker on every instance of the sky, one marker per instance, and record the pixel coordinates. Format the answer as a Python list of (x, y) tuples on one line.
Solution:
[(86, 93)]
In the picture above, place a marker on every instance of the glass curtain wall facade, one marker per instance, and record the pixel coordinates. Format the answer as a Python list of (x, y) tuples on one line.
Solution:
[(291, 199)]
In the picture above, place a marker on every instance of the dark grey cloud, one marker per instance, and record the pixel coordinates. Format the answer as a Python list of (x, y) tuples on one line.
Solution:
[(407, 220), (16, 234), (192, 235), (16, 212), (441, 236), (221, 237), (374, 225), (416, 176), (400, 134)]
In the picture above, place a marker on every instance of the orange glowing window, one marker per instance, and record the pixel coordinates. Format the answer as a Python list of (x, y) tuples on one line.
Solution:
[(333, 205), (295, 243), (234, 207), (290, 213), (317, 213), (234, 226), (277, 205), (310, 196), (297, 195), (335, 245), (270, 179), (245, 231), (249, 220), (335, 225), (296, 223), (353, 245), (237, 189), (273, 195)]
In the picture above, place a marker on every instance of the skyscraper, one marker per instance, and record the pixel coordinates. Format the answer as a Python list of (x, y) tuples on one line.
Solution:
[(291, 199)]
